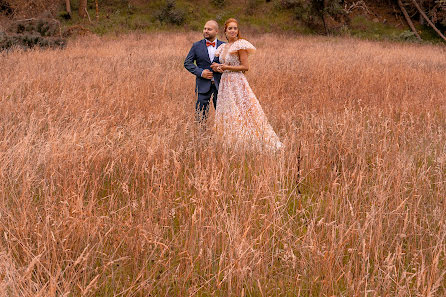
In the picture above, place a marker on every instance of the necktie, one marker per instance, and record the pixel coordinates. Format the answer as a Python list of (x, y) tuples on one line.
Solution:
[(210, 43)]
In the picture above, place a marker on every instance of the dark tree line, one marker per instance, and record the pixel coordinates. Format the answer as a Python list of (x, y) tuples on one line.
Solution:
[(425, 12), (33, 8), (430, 12), (313, 12)]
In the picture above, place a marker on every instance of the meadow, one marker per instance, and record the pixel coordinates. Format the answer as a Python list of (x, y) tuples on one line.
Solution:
[(109, 188)]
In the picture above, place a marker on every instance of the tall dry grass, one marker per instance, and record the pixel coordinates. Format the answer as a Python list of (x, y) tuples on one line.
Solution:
[(107, 188)]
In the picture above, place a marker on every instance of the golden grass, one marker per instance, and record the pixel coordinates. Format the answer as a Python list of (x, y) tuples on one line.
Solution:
[(108, 189)]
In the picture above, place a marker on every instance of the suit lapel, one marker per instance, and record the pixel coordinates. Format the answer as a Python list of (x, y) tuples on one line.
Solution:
[(205, 50)]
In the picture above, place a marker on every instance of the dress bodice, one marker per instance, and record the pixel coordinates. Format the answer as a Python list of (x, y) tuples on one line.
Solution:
[(228, 58), (227, 52)]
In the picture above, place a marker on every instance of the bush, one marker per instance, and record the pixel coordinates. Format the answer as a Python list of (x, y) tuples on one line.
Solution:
[(289, 4), (27, 41), (170, 14), (218, 3), (31, 33), (43, 27), (5, 8), (408, 36), (302, 9), (312, 12), (30, 8), (252, 5)]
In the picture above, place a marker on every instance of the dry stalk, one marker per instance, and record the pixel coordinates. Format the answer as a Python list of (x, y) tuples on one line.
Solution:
[(107, 186)]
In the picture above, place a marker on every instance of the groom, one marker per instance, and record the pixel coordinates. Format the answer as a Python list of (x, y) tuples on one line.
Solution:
[(198, 62)]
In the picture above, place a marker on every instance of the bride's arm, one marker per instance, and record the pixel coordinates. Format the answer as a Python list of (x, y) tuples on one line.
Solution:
[(244, 65)]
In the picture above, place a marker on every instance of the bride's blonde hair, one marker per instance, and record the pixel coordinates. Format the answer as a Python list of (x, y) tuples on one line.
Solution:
[(232, 20)]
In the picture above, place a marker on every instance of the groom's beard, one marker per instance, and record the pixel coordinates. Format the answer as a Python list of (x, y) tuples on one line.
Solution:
[(209, 37)]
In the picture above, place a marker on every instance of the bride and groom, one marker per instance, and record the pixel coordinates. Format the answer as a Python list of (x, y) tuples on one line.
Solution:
[(219, 69)]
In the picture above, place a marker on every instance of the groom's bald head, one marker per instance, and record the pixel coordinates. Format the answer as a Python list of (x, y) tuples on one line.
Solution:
[(210, 30), (212, 23)]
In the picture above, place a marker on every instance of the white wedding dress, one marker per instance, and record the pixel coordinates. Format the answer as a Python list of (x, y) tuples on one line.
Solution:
[(239, 118)]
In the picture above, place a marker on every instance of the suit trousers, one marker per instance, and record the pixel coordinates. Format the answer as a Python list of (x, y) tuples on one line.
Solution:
[(202, 105)]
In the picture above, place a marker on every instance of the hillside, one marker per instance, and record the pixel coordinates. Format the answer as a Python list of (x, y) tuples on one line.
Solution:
[(376, 20)]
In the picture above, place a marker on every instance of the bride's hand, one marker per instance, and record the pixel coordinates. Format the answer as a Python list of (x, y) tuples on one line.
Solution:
[(214, 66)]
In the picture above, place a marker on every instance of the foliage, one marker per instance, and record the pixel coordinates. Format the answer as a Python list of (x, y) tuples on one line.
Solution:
[(218, 3), (31, 8), (26, 41), (40, 26), (5, 8), (31, 33), (252, 5), (434, 9), (335, 10), (408, 36), (363, 28), (310, 11), (302, 16), (170, 14), (290, 4)]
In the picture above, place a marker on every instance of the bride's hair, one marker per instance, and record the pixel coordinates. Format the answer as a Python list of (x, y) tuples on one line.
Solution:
[(232, 20)]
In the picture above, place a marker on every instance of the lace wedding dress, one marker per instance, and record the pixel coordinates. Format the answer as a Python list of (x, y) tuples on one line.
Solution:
[(239, 118)]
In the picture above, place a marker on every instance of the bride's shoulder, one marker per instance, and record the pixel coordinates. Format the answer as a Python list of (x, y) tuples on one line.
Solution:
[(221, 45), (219, 49), (243, 44)]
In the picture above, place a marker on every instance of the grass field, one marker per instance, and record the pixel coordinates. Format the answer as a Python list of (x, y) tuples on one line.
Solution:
[(107, 187)]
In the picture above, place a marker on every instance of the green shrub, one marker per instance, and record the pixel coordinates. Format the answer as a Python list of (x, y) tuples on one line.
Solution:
[(170, 14), (5, 8), (313, 12), (290, 4), (26, 41), (408, 36), (218, 3), (44, 27), (252, 5), (31, 33)]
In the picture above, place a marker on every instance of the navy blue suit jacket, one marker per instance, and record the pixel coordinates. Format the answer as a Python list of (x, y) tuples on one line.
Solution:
[(197, 60)]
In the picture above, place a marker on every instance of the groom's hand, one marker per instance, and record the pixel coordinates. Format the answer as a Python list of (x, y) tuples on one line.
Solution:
[(207, 74)]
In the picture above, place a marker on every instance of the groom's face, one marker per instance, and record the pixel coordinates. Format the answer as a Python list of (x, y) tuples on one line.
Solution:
[(210, 31)]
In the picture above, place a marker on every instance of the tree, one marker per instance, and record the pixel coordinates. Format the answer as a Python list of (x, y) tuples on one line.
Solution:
[(97, 9), (432, 12), (82, 8), (308, 10), (408, 20), (68, 7), (423, 14)]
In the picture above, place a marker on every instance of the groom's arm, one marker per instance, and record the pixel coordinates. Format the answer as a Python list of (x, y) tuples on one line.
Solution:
[(190, 65)]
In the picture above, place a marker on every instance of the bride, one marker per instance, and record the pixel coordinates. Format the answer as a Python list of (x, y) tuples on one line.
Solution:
[(239, 118)]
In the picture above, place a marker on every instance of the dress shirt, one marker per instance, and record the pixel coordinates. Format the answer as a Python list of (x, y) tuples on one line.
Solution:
[(212, 49), (211, 52)]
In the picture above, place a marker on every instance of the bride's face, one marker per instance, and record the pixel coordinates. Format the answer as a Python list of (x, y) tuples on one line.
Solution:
[(232, 31)]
